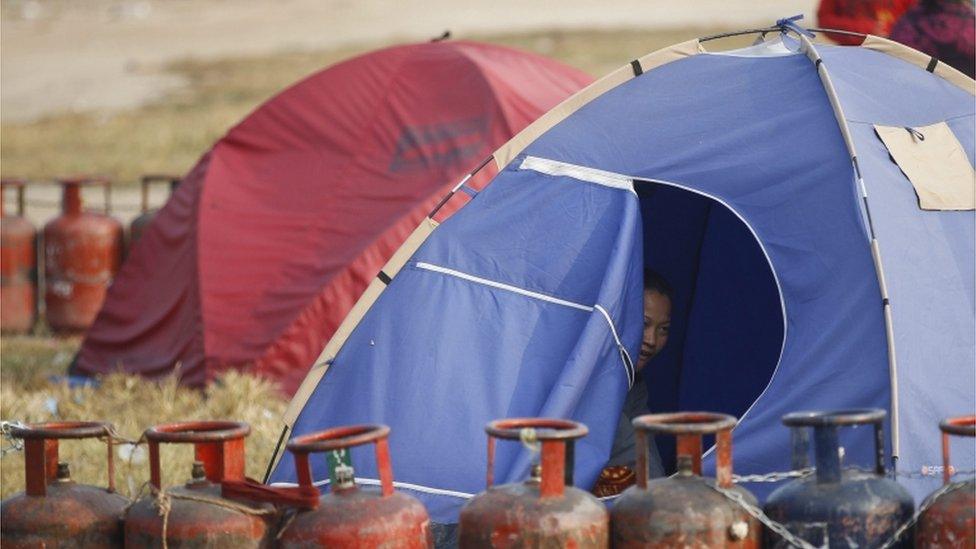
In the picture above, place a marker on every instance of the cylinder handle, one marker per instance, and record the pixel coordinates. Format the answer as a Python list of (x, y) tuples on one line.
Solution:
[(218, 444), (71, 194), (963, 426), (339, 438), (552, 433), (826, 442), (147, 180), (41, 449), (688, 427), (18, 184)]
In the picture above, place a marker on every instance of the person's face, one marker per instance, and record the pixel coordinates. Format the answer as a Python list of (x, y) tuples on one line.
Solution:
[(657, 324)]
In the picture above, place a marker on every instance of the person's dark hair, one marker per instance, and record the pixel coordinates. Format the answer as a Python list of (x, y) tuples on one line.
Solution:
[(654, 281)]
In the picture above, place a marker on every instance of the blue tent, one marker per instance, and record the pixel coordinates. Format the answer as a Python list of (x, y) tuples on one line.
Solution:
[(785, 190)]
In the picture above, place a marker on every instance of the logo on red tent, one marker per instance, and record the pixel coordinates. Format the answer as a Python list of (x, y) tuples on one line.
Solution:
[(440, 145)]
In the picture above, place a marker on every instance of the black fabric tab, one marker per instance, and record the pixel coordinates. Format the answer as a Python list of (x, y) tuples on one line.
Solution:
[(817, 63), (885, 302), (857, 167), (932, 63), (384, 278), (638, 70)]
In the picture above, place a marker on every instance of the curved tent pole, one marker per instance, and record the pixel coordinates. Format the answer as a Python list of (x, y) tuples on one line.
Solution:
[(460, 184), (738, 33), (384, 277), (767, 30), (807, 47), (838, 31)]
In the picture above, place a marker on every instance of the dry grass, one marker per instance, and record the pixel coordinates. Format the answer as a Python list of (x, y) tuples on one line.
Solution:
[(131, 404)]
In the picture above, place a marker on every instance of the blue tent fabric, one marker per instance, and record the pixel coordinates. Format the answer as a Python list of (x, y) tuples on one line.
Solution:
[(729, 174), (455, 339), (928, 256)]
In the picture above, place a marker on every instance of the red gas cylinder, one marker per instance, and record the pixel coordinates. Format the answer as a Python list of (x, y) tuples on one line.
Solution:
[(54, 511), (542, 511), (81, 255), (949, 516), (141, 222), (196, 515), (685, 510), (18, 265), (348, 516)]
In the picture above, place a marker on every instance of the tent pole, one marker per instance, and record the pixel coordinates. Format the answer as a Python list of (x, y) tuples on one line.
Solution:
[(460, 184), (811, 52), (276, 455), (737, 33)]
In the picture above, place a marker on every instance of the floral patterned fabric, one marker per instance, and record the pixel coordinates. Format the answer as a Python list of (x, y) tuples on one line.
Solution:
[(943, 29), (865, 16)]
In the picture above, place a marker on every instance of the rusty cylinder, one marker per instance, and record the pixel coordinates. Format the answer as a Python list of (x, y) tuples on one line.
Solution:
[(146, 215), (54, 511), (949, 518), (18, 265), (684, 510), (81, 255), (348, 517), (541, 511), (839, 507), (196, 514)]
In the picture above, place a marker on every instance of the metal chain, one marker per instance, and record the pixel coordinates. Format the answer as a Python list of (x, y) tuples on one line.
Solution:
[(795, 541), (116, 438), (773, 477), (13, 444), (895, 537), (758, 514)]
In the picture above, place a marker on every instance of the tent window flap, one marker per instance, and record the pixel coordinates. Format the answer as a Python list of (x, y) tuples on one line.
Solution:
[(934, 161)]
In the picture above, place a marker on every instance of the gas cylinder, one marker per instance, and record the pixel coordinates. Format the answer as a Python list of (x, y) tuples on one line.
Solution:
[(541, 511), (840, 507), (55, 511), (81, 255), (18, 265), (348, 516), (685, 510), (949, 516), (141, 222), (196, 514)]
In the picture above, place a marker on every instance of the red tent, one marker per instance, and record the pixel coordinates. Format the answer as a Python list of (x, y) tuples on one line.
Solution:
[(272, 237)]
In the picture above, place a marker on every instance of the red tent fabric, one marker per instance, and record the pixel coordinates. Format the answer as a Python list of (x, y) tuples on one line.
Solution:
[(271, 238)]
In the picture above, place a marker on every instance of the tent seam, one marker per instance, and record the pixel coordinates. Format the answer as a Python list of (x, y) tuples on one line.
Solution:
[(624, 355), (407, 486)]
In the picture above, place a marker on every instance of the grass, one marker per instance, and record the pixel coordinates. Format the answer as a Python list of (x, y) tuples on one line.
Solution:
[(131, 404), (169, 136)]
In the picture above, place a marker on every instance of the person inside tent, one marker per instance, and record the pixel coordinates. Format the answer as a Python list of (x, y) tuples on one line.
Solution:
[(619, 472)]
